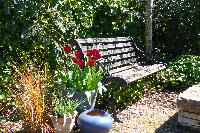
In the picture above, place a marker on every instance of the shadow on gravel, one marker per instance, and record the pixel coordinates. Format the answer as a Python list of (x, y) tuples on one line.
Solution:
[(172, 126)]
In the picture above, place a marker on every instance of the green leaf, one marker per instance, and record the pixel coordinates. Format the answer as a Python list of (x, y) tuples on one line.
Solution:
[(2, 96)]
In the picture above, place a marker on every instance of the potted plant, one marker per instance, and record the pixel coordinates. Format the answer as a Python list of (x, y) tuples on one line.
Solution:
[(81, 76), (64, 115)]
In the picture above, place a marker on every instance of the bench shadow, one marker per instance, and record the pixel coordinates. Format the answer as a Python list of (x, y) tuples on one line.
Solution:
[(172, 126)]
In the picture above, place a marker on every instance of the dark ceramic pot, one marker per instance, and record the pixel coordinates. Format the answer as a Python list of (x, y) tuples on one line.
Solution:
[(94, 121), (87, 103), (88, 99)]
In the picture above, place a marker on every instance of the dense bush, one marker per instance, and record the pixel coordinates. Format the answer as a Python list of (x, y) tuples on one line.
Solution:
[(35, 27), (32, 28), (34, 31), (176, 26), (181, 72), (123, 96)]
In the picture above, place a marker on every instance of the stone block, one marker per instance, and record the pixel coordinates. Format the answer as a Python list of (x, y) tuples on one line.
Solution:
[(188, 103), (189, 100), (190, 120)]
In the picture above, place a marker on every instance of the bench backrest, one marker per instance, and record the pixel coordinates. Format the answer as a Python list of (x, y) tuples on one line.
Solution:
[(116, 52)]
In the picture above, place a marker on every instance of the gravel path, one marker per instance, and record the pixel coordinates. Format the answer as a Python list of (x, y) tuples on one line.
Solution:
[(148, 114), (155, 113)]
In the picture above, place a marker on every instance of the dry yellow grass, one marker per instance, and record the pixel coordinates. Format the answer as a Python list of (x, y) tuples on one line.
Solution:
[(29, 95)]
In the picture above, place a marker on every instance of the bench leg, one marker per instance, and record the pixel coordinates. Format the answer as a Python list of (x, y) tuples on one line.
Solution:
[(113, 110), (111, 84)]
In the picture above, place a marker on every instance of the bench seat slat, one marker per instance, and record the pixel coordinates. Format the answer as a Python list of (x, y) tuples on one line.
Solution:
[(104, 47), (103, 40), (119, 62), (133, 72)]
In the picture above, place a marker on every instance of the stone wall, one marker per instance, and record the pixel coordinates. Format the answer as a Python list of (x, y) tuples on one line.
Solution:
[(188, 103)]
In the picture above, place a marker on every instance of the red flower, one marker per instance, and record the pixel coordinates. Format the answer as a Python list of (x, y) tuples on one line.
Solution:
[(78, 53), (75, 59), (80, 63), (91, 61), (89, 52), (67, 48), (96, 54)]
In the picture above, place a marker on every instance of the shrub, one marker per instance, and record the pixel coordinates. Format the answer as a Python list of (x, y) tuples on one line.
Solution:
[(123, 96), (176, 26), (180, 73)]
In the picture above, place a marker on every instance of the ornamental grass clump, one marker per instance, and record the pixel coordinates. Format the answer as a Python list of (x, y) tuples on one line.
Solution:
[(29, 95)]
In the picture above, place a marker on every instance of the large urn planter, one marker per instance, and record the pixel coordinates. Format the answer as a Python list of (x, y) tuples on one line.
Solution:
[(64, 124), (94, 121)]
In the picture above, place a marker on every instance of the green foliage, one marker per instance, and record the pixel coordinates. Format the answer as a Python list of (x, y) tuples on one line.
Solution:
[(7, 105), (66, 107), (34, 31), (36, 27), (126, 96), (122, 96), (182, 72), (4, 95), (176, 27), (31, 28)]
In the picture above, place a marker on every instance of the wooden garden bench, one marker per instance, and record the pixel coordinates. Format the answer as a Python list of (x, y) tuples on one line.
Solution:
[(121, 59)]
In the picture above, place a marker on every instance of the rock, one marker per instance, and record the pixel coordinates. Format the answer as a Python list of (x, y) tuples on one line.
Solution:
[(190, 120), (189, 100), (188, 103)]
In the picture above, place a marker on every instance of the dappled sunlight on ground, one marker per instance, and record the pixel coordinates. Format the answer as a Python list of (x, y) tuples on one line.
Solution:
[(148, 114)]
